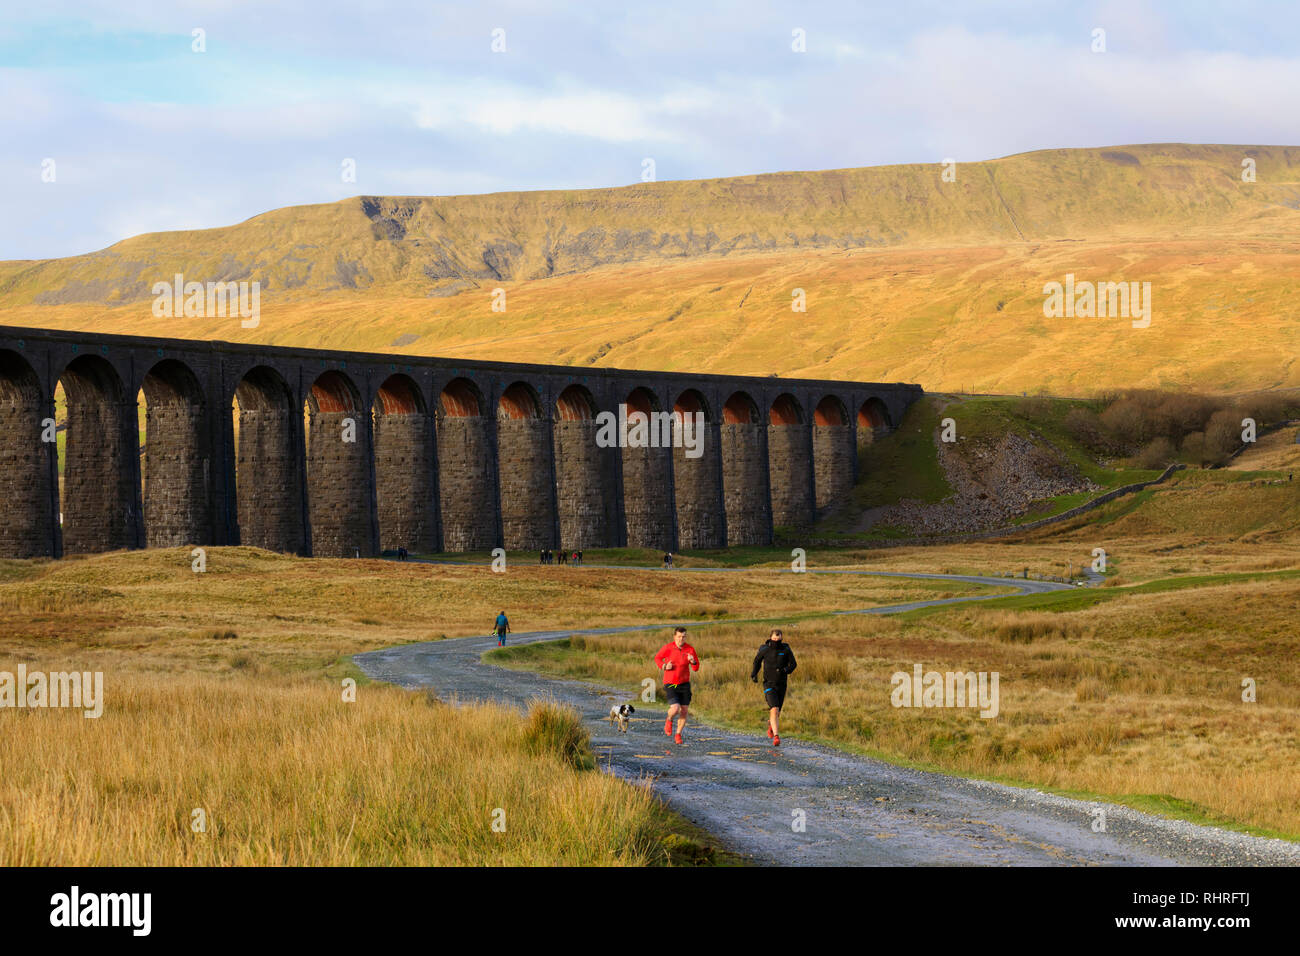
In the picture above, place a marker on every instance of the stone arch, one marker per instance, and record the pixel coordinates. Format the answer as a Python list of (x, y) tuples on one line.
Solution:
[(648, 504), (583, 472), (338, 468), (527, 485), (100, 501), (461, 398), (834, 449), (696, 477), (740, 409), (467, 477), (28, 528), (176, 471), (873, 416), (789, 460), (785, 410), (746, 498), (268, 480), (405, 500), (519, 401), (830, 412), (575, 404)]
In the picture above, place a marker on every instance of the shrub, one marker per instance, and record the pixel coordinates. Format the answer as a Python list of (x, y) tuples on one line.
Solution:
[(1157, 454), (556, 729)]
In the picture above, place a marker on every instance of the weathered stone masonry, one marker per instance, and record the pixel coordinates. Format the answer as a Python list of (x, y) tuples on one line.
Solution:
[(246, 444)]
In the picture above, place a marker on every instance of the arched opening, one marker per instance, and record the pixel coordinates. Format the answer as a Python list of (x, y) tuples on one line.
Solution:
[(833, 451), (648, 507), (524, 465), (696, 479), (175, 469), (404, 467), (583, 475), (268, 491), (100, 503), (338, 468), (519, 401), (785, 411), (575, 404), (830, 412), (789, 464), (744, 472), (739, 410), (460, 399), (467, 491), (873, 416), (28, 527)]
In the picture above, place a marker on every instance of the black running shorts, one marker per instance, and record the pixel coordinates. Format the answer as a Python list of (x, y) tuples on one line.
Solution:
[(678, 693), (774, 694)]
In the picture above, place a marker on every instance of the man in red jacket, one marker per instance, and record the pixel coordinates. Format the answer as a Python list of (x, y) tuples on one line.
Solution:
[(677, 659)]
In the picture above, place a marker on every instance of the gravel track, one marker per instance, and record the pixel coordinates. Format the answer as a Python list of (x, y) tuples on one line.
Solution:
[(856, 810)]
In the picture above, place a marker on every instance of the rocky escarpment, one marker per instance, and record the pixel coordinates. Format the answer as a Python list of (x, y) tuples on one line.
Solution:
[(994, 483)]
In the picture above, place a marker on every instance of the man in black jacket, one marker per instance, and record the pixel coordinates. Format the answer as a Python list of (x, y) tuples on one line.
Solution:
[(777, 661)]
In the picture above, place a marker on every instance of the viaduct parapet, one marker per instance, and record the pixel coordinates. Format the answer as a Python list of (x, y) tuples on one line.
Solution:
[(332, 453)]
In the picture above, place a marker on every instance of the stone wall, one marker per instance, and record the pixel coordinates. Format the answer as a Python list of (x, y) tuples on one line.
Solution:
[(744, 482), (269, 496), (527, 489), (338, 486), (789, 455), (698, 492), (26, 530), (834, 448), (177, 475), (99, 475), (404, 482), (647, 498), (583, 487), (466, 484)]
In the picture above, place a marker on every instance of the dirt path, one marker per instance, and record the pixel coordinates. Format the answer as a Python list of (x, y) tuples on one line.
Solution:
[(855, 810)]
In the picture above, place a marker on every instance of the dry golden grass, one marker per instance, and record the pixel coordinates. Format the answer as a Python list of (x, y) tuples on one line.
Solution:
[(224, 693), (1276, 451), (1137, 699), (286, 773)]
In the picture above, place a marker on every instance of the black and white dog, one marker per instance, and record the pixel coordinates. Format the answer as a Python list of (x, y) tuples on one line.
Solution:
[(622, 713)]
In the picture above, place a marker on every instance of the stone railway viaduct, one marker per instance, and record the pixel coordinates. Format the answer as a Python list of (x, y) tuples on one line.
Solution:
[(244, 444)]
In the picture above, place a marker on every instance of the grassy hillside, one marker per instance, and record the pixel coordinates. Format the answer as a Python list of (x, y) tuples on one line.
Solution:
[(906, 466), (906, 277)]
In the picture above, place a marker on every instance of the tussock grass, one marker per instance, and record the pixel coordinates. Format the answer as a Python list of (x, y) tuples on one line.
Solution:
[(288, 774)]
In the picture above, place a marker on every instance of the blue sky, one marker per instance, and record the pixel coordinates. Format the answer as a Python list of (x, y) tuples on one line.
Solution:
[(148, 135)]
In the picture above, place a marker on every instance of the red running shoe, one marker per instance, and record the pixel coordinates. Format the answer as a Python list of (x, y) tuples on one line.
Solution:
[(776, 741), (677, 739), (668, 727), (769, 730)]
